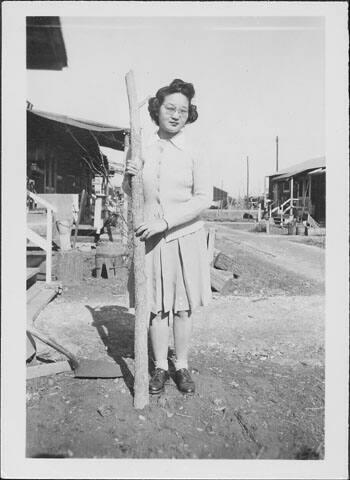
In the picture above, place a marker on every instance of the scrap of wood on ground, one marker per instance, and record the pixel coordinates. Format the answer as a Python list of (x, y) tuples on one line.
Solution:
[(224, 270)]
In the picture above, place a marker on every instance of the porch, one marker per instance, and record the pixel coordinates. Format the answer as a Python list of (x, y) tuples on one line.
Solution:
[(299, 193)]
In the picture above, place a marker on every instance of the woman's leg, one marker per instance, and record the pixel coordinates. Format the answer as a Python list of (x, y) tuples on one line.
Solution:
[(159, 334), (182, 336)]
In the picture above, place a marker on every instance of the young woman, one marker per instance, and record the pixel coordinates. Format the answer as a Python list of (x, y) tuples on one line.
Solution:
[(177, 187)]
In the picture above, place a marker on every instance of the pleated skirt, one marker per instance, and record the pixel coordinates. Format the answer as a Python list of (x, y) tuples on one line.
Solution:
[(178, 273)]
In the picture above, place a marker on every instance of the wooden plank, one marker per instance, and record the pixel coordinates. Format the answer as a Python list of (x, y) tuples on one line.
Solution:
[(70, 267), (86, 227), (36, 239), (228, 263), (45, 369), (85, 239), (33, 291), (41, 200), (220, 280), (38, 301), (31, 272)]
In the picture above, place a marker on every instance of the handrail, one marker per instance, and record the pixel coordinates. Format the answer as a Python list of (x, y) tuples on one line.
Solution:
[(34, 237), (288, 200), (43, 202), (280, 208)]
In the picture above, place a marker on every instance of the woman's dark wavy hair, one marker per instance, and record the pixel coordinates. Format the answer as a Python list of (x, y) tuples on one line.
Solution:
[(176, 86)]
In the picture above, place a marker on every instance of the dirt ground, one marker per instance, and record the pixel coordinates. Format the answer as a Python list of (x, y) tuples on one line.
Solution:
[(257, 359)]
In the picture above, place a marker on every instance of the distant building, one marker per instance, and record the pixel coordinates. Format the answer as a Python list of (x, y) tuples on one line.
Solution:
[(63, 153), (305, 183), (62, 150), (45, 44), (220, 198)]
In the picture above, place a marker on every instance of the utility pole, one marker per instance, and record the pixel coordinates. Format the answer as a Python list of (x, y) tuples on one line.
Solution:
[(276, 154), (247, 182), (222, 194)]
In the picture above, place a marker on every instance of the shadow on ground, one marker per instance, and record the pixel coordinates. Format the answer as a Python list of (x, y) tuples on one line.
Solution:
[(116, 328)]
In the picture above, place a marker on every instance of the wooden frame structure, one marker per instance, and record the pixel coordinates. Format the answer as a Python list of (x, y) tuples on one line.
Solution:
[(299, 190)]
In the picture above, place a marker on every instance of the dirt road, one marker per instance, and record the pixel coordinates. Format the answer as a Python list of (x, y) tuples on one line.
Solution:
[(257, 359), (281, 250)]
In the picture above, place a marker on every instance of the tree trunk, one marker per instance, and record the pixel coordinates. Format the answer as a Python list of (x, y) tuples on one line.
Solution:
[(141, 396)]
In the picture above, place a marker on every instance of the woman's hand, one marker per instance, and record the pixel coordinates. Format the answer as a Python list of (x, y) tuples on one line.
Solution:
[(147, 230), (131, 167)]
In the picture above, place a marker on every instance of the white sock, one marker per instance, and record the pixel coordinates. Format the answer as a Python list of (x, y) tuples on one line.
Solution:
[(161, 364), (181, 364)]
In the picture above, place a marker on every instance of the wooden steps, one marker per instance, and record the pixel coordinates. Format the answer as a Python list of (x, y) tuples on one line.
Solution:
[(31, 272), (85, 239), (85, 227)]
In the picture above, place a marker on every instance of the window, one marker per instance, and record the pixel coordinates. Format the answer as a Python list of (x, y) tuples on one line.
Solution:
[(286, 187)]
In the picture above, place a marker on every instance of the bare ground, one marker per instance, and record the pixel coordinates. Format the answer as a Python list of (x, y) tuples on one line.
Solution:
[(257, 358)]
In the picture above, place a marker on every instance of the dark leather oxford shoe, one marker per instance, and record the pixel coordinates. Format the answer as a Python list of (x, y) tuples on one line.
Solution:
[(184, 381), (157, 382)]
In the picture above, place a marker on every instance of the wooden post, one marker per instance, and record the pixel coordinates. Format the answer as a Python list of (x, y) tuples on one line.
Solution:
[(309, 202), (247, 182), (141, 396), (291, 197), (48, 245), (98, 212), (125, 200), (259, 212), (81, 208)]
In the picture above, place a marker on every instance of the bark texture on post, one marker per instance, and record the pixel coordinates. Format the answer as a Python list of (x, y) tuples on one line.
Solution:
[(126, 228), (141, 396)]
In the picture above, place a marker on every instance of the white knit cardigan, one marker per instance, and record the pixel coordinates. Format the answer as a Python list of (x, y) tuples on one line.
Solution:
[(177, 184)]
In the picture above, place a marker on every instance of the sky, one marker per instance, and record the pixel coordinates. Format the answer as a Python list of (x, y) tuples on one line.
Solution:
[(255, 78)]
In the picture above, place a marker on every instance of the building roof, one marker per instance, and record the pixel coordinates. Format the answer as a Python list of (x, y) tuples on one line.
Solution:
[(105, 135), (219, 194), (45, 44), (307, 165)]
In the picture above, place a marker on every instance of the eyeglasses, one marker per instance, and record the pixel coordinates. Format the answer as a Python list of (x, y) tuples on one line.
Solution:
[(170, 110)]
